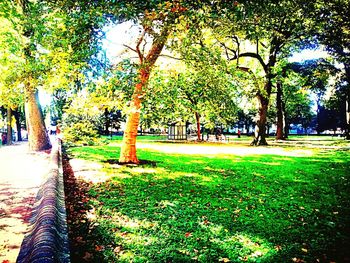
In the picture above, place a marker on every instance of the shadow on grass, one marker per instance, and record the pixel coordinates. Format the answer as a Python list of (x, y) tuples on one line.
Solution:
[(195, 208), (83, 233)]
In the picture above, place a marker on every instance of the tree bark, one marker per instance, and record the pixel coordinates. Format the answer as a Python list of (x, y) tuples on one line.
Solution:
[(128, 148), (18, 125), (198, 126), (347, 128), (260, 128), (37, 135), (279, 131), (9, 127), (107, 122), (286, 126), (347, 101)]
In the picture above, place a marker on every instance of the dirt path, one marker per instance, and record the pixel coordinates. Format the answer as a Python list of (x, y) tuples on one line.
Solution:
[(21, 174)]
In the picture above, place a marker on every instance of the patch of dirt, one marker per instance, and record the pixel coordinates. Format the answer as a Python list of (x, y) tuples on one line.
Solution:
[(82, 237)]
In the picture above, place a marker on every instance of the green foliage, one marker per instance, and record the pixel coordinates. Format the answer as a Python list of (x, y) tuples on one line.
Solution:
[(183, 207), (181, 94), (84, 118), (81, 122), (80, 133), (11, 63)]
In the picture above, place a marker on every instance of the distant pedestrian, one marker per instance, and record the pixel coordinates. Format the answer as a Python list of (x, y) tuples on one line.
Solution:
[(4, 138), (239, 134)]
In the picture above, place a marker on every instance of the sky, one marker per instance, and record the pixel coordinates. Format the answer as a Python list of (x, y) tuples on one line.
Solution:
[(117, 36), (127, 33), (307, 54)]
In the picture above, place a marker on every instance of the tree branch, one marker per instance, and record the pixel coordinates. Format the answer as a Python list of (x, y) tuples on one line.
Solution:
[(130, 48), (227, 49), (257, 56), (139, 41), (168, 56)]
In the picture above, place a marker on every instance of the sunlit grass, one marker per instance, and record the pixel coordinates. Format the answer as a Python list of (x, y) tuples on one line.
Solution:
[(230, 207)]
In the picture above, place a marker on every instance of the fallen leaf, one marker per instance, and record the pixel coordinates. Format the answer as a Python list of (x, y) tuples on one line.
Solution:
[(88, 256), (124, 234), (99, 248), (188, 234), (257, 254), (117, 249), (278, 247)]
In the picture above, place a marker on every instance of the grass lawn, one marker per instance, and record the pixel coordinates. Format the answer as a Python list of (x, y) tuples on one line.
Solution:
[(210, 203)]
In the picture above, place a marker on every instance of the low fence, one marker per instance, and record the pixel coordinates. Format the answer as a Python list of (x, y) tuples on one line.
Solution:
[(47, 241)]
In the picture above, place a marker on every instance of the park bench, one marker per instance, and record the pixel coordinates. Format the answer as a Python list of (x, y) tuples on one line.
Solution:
[(47, 240)]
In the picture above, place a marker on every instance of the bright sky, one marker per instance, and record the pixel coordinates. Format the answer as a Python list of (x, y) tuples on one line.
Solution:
[(308, 54), (117, 36), (126, 34)]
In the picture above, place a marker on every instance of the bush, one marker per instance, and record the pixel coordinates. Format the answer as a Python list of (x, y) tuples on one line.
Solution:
[(80, 133)]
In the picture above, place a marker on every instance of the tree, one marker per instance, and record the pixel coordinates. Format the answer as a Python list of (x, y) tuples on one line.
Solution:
[(11, 95), (205, 97), (331, 19), (52, 54), (157, 23), (296, 102), (317, 74), (263, 32)]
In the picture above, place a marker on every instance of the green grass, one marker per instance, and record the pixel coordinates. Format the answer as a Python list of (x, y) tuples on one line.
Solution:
[(140, 137), (222, 207)]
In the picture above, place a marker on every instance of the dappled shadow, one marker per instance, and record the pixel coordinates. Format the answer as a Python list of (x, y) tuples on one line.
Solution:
[(201, 208), (141, 162), (17, 203), (82, 231)]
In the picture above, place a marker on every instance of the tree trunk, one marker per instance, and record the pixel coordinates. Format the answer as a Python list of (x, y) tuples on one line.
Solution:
[(198, 126), (18, 124), (279, 132), (347, 101), (347, 128), (260, 128), (286, 126), (107, 122), (37, 135), (285, 116), (318, 118), (128, 149), (9, 127)]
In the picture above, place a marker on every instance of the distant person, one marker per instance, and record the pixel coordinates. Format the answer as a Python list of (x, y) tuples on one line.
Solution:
[(218, 134), (239, 134), (58, 130), (53, 130), (4, 138)]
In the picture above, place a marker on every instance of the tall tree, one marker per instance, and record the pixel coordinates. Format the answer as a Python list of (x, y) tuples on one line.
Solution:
[(263, 32), (157, 23), (10, 65), (317, 74), (332, 21), (204, 97)]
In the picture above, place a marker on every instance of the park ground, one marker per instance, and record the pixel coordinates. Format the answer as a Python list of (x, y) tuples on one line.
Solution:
[(210, 202), (21, 174)]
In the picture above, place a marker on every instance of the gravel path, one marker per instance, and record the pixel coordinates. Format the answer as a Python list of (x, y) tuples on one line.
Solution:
[(21, 174)]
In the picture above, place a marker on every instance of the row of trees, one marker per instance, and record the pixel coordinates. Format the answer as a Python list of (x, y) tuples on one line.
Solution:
[(229, 50)]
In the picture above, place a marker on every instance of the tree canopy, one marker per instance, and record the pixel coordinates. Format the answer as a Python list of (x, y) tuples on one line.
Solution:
[(229, 49)]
